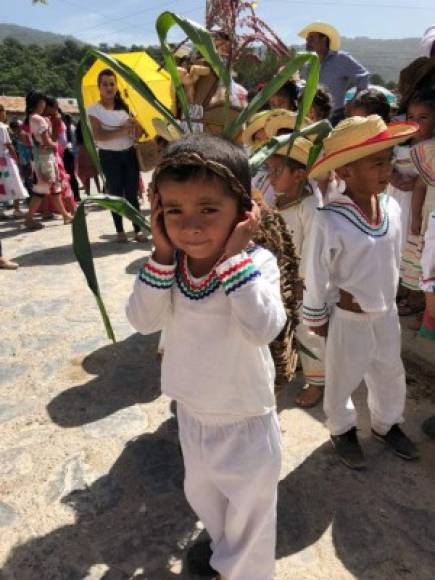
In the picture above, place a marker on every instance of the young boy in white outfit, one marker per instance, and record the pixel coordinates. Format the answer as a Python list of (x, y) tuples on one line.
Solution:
[(218, 298), (353, 261), (297, 205)]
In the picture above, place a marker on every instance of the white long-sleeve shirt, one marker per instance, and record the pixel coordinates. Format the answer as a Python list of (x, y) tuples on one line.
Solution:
[(217, 331), (299, 219), (347, 252)]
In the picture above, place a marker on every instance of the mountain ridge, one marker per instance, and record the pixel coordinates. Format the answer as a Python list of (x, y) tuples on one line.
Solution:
[(385, 57)]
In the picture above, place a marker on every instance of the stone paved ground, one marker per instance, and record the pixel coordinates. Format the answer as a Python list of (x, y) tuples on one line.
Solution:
[(90, 472)]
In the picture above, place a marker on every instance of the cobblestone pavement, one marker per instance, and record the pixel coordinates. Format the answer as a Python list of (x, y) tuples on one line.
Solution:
[(90, 471)]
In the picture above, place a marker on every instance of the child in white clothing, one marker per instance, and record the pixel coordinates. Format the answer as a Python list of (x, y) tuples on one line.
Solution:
[(353, 261), (218, 298), (297, 205)]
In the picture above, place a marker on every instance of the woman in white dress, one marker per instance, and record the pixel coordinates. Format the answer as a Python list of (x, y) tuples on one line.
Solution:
[(11, 185)]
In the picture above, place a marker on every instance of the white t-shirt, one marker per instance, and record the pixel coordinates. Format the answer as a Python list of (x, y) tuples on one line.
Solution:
[(218, 328), (111, 120)]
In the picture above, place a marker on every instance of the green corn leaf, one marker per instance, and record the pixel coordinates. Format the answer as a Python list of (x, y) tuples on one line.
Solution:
[(82, 247), (202, 41), (274, 85)]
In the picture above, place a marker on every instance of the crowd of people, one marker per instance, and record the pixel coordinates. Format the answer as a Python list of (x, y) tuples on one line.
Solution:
[(40, 160), (361, 220), (356, 249)]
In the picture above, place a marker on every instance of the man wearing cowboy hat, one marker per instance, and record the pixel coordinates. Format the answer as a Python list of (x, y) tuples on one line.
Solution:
[(338, 70)]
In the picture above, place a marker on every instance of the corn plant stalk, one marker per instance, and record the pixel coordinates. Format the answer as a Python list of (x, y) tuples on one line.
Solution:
[(202, 41), (294, 65), (82, 247)]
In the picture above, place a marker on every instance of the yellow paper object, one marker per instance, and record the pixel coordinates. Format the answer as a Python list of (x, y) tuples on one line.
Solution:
[(158, 80)]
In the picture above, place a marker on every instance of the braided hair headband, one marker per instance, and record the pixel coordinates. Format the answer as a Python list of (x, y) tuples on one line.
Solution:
[(194, 159)]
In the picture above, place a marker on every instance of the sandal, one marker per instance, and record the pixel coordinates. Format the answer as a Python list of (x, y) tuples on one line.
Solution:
[(7, 264), (140, 237), (34, 225), (121, 238), (407, 309), (309, 396), (67, 220)]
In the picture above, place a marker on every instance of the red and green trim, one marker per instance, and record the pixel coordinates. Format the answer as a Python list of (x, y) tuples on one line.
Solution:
[(236, 272), (157, 275)]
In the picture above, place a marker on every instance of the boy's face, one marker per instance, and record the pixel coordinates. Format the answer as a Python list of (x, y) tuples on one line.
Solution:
[(199, 216), (279, 101), (369, 175), (424, 116), (282, 177)]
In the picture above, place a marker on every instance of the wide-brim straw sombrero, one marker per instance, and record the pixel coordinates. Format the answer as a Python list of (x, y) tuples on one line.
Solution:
[(166, 130), (271, 121), (413, 77), (358, 137), (423, 157), (326, 29), (299, 151), (287, 120)]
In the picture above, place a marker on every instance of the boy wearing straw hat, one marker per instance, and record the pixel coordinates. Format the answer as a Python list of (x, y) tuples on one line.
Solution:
[(297, 205), (353, 263)]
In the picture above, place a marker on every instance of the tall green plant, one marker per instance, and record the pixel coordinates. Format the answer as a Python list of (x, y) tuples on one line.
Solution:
[(202, 41)]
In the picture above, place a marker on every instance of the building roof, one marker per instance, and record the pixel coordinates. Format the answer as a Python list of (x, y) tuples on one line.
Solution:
[(17, 105)]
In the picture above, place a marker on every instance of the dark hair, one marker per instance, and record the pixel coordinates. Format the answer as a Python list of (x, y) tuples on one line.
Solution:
[(51, 102), (323, 102), (290, 91), (119, 103), (374, 103), (423, 97), (32, 99), (2, 108), (292, 164), (213, 149), (14, 124)]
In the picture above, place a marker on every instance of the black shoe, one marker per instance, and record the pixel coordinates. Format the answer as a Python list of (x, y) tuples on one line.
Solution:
[(198, 560), (348, 449), (400, 443), (428, 427)]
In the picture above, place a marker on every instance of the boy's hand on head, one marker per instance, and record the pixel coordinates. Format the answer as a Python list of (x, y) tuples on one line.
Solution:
[(163, 248), (320, 330), (243, 232)]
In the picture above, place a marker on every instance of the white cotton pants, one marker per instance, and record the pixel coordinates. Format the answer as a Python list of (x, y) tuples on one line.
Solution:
[(364, 346), (232, 472), (314, 370)]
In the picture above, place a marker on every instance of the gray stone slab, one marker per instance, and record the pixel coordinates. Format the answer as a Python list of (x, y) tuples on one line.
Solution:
[(8, 515), (9, 410), (127, 423)]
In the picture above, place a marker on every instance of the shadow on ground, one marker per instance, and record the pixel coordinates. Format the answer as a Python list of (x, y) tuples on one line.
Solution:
[(136, 518), (382, 520), (133, 518), (126, 374), (61, 255)]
